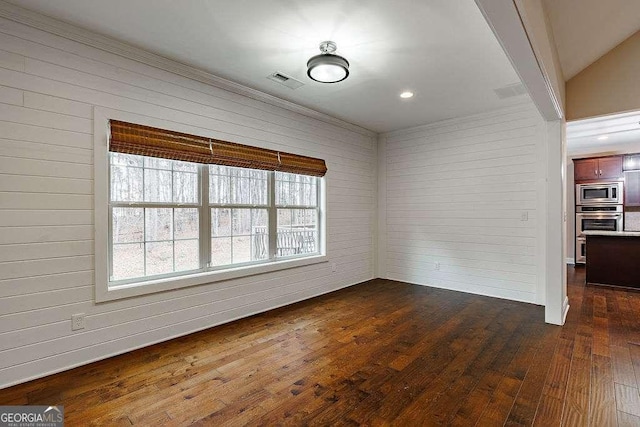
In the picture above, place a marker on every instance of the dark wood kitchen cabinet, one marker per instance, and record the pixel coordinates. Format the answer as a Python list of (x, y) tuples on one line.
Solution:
[(598, 169), (632, 188)]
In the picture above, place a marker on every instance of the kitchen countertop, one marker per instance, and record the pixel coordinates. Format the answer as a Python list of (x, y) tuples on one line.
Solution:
[(612, 233)]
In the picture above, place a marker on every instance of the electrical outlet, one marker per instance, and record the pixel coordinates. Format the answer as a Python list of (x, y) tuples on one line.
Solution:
[(524, 216), (437, 265), (334, 267), (77, 321)]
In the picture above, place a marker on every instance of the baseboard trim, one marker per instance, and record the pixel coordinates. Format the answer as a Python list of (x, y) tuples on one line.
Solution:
[(505, 294), (571, 261), (565, 309)]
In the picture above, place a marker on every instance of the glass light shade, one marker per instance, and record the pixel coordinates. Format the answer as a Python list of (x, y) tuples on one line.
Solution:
[(328, 68)]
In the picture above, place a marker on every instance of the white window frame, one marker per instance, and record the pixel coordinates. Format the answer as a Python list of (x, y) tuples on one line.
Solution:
[(104, 291)]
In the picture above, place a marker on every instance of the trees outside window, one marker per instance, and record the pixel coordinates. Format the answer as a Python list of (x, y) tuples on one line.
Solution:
[(169, 217)]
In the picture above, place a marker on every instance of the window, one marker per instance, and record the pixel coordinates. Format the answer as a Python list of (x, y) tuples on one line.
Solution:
[(174, 210), (154, 217), (169, 218)]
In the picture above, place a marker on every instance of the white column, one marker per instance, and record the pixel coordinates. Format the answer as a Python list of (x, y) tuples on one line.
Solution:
[(555, 270)]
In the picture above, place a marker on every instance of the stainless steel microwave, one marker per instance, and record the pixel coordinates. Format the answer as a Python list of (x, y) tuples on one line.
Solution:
[(598, 194)]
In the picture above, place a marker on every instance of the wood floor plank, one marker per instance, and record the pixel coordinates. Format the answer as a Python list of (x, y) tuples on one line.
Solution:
[(524, 408), (623, 372), (627, 420), (602, 407), (617, 328), (576, 407), (551, 404), (379, 353), (627, 399)]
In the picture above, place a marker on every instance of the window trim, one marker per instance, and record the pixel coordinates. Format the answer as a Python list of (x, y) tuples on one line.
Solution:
[(104, 292)]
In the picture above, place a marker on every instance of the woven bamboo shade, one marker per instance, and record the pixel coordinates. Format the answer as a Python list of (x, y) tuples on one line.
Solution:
[(148, 141)]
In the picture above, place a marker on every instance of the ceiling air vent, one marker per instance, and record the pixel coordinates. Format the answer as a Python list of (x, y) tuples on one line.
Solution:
[(283, 79), (509, 91)]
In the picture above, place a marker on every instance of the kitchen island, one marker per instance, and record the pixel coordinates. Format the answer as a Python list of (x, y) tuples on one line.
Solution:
[(613, 258)]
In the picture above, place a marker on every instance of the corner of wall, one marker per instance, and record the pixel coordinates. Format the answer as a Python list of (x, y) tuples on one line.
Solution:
[(381, 208)]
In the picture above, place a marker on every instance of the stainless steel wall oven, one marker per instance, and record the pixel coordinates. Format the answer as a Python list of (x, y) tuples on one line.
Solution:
[(597, 218)]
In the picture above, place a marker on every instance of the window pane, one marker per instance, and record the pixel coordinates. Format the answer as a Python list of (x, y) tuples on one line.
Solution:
[(284, 218), (259, 234), (221, 251), (296, 190), (126, 184), (128, 225), (297, 232), (186, 223), (241, 222), (220, 222), (259, 191), (241, 249), (187, 254), (156, 163), (239, 186), (243, 233), (260, 244), (185, 166), (168, 237), (128, 261), (159, 258), (185, 187), (241, 191), (157, 186), (219, 189), (125, 159), (158, 224), (160, 184)]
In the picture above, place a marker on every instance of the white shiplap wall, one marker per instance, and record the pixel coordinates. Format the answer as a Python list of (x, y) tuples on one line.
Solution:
[(455, 193), (49, 86)]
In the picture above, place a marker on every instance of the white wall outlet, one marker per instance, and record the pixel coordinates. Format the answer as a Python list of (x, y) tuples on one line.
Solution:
[(437, 265), (77, 321), (334, 267), (524, 216)]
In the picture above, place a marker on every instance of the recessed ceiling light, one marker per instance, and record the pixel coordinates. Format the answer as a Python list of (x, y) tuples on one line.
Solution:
[(406, 94), (603, 137)]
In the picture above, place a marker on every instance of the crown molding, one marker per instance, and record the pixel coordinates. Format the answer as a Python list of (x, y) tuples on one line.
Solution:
[(108, 44)]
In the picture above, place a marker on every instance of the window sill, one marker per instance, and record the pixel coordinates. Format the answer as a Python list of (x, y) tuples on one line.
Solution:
[(110, 293)]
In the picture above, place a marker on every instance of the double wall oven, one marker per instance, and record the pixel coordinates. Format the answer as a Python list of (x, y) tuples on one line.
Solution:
[(598, 207)]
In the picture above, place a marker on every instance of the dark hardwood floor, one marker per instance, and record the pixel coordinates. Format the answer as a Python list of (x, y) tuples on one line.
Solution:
[(381, 352)]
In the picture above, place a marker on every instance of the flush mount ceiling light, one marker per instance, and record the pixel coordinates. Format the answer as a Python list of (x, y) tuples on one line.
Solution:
[(328, 67), (406, 94), (603, 137)]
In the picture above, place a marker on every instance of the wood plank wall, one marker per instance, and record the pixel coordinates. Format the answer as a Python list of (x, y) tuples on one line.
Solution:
[(49, 86), (455, 193)]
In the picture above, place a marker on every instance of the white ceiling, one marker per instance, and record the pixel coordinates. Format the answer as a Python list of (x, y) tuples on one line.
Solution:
[(622, 132), (442, 50), (584, 30)]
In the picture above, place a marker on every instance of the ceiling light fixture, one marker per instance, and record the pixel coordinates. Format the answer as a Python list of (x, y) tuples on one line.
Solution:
[(603, 137), (406, 95), (328, 67)]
